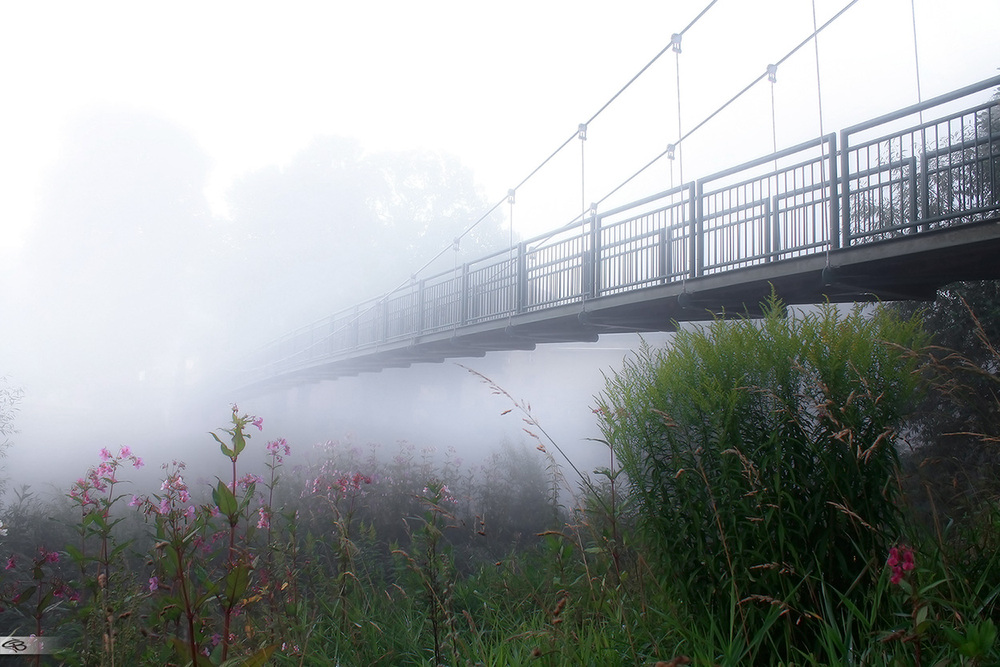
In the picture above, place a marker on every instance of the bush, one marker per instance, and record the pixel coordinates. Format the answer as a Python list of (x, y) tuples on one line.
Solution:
[(760, 458)]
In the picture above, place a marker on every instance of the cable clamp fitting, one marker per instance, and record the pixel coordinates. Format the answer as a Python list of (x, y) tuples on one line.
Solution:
[(772, 73), (675, 42), (510, 196), (582, 132), (456, 244), (670, 151)]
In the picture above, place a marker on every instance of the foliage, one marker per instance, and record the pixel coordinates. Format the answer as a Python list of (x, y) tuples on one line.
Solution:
[(10, 400), (349, 558), (761, 458), (951, 460)]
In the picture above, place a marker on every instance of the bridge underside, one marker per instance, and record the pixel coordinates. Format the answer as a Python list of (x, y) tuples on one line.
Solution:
[(903, 268)]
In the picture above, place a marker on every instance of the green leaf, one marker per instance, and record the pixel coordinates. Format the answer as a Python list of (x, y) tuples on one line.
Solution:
[(239, 441), (75, 553), (224, 499), (921, 616), (236, 583), (25, 594), (225, 448)]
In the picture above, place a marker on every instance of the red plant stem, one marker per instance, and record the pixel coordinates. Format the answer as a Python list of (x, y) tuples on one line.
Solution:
[(188, 611), (231, 562)]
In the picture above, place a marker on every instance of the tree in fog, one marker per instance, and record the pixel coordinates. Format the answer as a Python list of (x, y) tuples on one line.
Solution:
[(118, 254), (337, 226)]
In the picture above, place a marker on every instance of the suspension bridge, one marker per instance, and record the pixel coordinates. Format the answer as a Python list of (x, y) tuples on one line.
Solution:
[(891, 208)]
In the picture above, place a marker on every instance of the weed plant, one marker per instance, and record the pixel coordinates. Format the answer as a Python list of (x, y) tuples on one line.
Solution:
[(750, 512)]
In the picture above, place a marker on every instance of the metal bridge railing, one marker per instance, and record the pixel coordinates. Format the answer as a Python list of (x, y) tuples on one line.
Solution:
[(807, 199)]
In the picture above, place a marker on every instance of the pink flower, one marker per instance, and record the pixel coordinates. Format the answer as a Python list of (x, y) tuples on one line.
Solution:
[(265, 519), (154, 583), (900, 561), (137, 462), (248, 479), (105, 454), (258, 422), (10, 563)]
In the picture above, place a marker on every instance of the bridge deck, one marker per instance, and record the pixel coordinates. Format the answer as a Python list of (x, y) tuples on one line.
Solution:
[(891, 214)]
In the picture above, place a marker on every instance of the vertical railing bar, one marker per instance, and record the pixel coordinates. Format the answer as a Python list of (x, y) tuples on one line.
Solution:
[(420, 306), (696, 224), (845, 195), (465, 297), (522, 278), (772, 224)]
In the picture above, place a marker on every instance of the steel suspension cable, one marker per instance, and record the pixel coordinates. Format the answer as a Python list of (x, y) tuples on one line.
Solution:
[(822, 145), (650, 63), (680, 157), (730, 101), (916, 56), (534, 171), (574, 135)]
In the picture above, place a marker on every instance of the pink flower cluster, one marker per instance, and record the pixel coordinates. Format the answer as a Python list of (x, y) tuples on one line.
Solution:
[(900, 561), (277, 449), (340, 482), (440, 494), (256, 421), (98, 479), (248, 479), (175, 492)]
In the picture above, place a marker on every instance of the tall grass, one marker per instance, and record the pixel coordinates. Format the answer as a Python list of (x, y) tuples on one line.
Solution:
[(750, 512)]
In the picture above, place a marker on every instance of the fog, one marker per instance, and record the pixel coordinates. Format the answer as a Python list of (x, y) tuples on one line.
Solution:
[(167, 209), (135, 306)]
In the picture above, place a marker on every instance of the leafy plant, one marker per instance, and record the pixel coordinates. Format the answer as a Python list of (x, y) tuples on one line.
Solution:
[(760, 457)]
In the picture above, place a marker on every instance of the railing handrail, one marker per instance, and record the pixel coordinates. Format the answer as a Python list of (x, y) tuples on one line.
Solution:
[(593, 261)]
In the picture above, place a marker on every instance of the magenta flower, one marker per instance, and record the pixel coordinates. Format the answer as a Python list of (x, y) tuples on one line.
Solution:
[(258, 422), (10, 563), (900, 561), (154, 583)]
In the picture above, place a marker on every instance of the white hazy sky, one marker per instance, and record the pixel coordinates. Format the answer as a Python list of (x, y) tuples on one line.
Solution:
[(500, 85)]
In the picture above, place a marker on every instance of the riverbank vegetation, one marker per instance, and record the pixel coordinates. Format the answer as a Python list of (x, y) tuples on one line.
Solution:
[(768, 498)]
